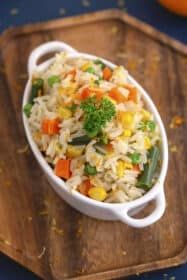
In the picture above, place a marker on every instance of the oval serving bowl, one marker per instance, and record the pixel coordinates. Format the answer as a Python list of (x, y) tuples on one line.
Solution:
[(87, 206)]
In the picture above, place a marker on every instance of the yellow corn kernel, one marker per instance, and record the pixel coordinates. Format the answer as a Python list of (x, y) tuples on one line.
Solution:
[(91, 82), (73, 151), (71, 89), (147, 143), (120, 168), (64, 113), (61, 90), (58, 148), (97, 193), (146, 114), (126, 118), (127, 133), (86, 66), (128, 165)]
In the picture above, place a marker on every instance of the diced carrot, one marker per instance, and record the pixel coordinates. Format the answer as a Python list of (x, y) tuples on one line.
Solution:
[(133, 93), (84, 94), (107, 73), (117, 95), (88, 92), (62, 168), (109, 148), (50, 127), (71, 72), (84, 187), (136, 167)]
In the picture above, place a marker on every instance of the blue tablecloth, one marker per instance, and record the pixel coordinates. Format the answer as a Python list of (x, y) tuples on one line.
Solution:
[(19, 12)]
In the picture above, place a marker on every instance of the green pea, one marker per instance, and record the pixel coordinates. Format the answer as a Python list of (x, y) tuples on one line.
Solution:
[(90, 170), (53, 80), (135, 158)]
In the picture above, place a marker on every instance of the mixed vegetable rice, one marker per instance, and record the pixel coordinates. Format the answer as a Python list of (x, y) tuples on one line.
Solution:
[(93, 129)]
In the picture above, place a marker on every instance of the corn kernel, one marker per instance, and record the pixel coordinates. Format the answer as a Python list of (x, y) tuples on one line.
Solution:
[(97, 193), (147, 143), (128, 165), (126, 119), (146, 114), (73, 151), (61, 90), (58, 148), (68, 90), (127, 133), (64, 113), (86, 66), (120, 168)]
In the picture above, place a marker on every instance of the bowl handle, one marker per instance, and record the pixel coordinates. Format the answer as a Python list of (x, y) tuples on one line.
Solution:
[(150, 219), (54, 46)]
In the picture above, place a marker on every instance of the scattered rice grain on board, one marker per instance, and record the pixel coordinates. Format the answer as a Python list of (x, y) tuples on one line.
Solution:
[(121, 3), (53, 222), (114, 29), (43, 213), (86, 3), (124, 253), (42, 253), (62, 11), (23, 149), (121, 55), (173, 149), (176, 121), (7, 242), (14, 11), (59, 231)]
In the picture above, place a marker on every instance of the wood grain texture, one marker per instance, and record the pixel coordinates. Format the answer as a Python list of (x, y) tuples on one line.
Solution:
[(38, 229)]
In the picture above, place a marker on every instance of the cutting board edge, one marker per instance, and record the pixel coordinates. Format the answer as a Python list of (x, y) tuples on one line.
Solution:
[(95, 16)]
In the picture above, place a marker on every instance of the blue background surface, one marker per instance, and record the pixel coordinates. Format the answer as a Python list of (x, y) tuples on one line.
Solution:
[(18, 12)]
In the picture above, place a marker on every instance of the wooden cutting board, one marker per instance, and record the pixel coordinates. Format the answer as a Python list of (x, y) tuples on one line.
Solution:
[(38, 229)]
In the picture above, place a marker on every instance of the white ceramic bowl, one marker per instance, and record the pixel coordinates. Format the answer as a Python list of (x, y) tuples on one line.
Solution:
[(92, 208)]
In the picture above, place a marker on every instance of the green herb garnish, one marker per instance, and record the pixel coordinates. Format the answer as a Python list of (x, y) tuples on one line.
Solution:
[(135, 158), (103, 138), (27, 109), (97, 114), (90, 170), (147, 126), (53, 80)]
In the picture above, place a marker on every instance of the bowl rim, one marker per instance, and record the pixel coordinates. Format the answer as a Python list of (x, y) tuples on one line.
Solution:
[(148, 196)]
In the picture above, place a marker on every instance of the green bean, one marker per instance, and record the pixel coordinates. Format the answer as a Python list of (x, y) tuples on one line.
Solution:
[(81, 140), (37, 89), (145, 179)]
